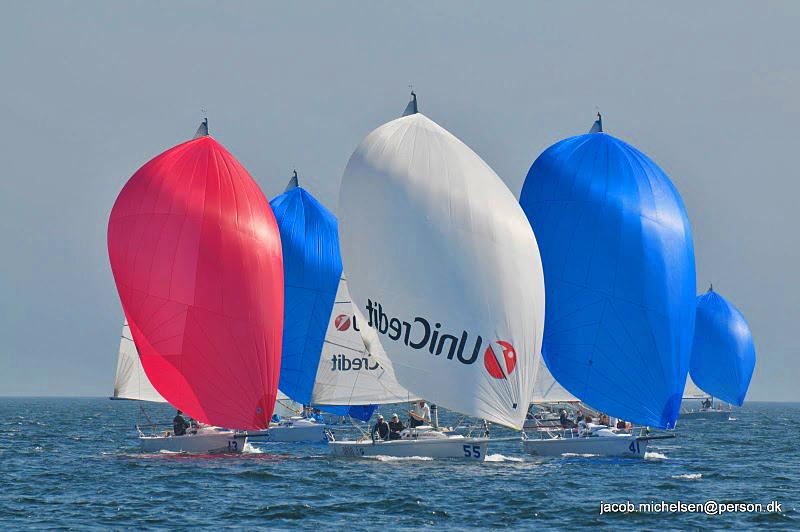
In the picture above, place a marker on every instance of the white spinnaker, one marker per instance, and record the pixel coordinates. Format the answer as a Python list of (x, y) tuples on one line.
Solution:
[(434, 236), (691, 391), (131, 382), (348, 374), (547, 389)]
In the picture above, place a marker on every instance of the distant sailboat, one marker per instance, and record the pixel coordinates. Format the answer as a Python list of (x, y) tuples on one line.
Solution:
[(196, 257), (619, 274), (441, 262), (723, 354)]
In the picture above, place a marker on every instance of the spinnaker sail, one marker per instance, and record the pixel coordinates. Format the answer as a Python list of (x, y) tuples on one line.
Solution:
[(130, 381), (324, 360), (196, 257), (723, 353), (442, 263), (619, 273)]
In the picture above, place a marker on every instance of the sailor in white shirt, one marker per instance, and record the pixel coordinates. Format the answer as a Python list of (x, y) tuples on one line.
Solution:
[(420, 414)]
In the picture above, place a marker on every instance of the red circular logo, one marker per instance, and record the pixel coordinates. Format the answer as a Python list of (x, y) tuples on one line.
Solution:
[(494, 363), (342, 322)]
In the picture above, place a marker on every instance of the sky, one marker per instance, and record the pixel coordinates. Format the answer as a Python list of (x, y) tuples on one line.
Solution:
[(89, 91)]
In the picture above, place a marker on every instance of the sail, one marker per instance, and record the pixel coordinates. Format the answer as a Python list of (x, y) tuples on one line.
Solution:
[(312, 267), (619, 273), (547, 390), (691, 391), (196, 257), (442, 263), (597, 127), (723, 354), (348, 374), (131, 382)]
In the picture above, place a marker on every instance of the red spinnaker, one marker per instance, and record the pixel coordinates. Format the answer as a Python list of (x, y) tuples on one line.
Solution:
[(196, 256)]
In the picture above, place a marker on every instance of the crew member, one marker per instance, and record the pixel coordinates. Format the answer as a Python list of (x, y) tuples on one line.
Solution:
[(707, 403), (381, 428), (420, 415), (395, 427), (179, 425)]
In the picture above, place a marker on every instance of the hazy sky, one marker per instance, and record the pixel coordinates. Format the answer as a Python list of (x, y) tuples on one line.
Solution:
[(90, 91)]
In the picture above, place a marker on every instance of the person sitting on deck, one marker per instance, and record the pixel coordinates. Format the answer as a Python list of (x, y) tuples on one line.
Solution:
[(584, 426), (565, 421), (381, 428), (604, 420), (317, 416), (179, 425), (276, 418), (621, 424), (707, 403), (395, 427), (421, 415)]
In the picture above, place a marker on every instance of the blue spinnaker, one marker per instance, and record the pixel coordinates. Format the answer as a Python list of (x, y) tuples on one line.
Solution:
[(723, 354), (619, 275), (360, 412), (312, 266)]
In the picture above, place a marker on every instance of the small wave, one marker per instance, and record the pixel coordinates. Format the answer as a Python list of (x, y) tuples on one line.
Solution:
[(384, 458), (249, 449), (655, 456), (581, 455), (689, 476), (732, 419), (164, 451), (502, 458)]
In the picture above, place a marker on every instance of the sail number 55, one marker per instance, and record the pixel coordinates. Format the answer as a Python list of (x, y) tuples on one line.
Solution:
[(472, 451)]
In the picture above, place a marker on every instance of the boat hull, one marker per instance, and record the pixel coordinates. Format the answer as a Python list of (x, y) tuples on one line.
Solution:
[(627, 446), (293, 432), (474, 449), (210, 442), (710, 415)]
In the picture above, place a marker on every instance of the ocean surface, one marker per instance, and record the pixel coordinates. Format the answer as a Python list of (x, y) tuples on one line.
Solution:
[(75, 463)]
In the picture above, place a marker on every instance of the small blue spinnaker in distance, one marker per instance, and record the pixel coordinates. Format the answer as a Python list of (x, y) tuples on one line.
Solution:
[(619, 276), (723, 354)]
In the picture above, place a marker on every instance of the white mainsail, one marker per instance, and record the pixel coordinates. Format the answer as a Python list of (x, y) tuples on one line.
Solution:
[(348, 374), (547, 389), (691, 391), (443, 263), (131, 382)]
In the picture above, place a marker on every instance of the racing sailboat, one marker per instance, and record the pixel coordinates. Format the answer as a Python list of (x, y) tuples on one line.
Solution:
[(619, 274), (442, 264), (196, 257), (324, 361), (723, 357)]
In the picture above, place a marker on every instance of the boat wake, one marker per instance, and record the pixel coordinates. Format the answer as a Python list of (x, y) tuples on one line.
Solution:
[(249, 449), (655, 456), (502, 458), (689, 476), (581, 455), (384, 458)]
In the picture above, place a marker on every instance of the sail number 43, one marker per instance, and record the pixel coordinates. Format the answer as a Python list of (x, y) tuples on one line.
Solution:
[(472, 451)]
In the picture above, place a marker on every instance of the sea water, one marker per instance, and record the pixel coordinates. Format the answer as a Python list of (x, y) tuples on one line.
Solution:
[(76, 463)]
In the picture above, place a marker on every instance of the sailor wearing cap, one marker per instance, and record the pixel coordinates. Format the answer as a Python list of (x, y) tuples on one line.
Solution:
[(395, 427), (381, 429)]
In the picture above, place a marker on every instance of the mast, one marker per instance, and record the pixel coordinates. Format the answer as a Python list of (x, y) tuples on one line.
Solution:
[(411, 108)]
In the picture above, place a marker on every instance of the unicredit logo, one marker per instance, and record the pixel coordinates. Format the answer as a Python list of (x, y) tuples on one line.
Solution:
[(342, 363), (494, 364), (342, 322), (419, 334)]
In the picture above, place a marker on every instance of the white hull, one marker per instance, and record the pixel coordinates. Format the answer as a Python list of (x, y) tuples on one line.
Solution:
[(711, 415), (626, 445), (204, 442), (293, 431), (450, 447)]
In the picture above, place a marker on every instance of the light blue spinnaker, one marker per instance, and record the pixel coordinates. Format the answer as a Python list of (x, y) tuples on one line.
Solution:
[(619, 275), (723, 354)]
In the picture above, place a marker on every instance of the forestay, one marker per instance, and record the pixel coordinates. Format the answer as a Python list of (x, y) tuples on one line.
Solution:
[(620, 277), (443, 264), (723, 354), (196, 257), (131, 382)]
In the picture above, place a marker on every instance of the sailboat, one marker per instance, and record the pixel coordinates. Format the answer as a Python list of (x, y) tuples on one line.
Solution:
[(196, 257), (324, 361), (723, 357), (619, 276), (441, 262), (698, 404)]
